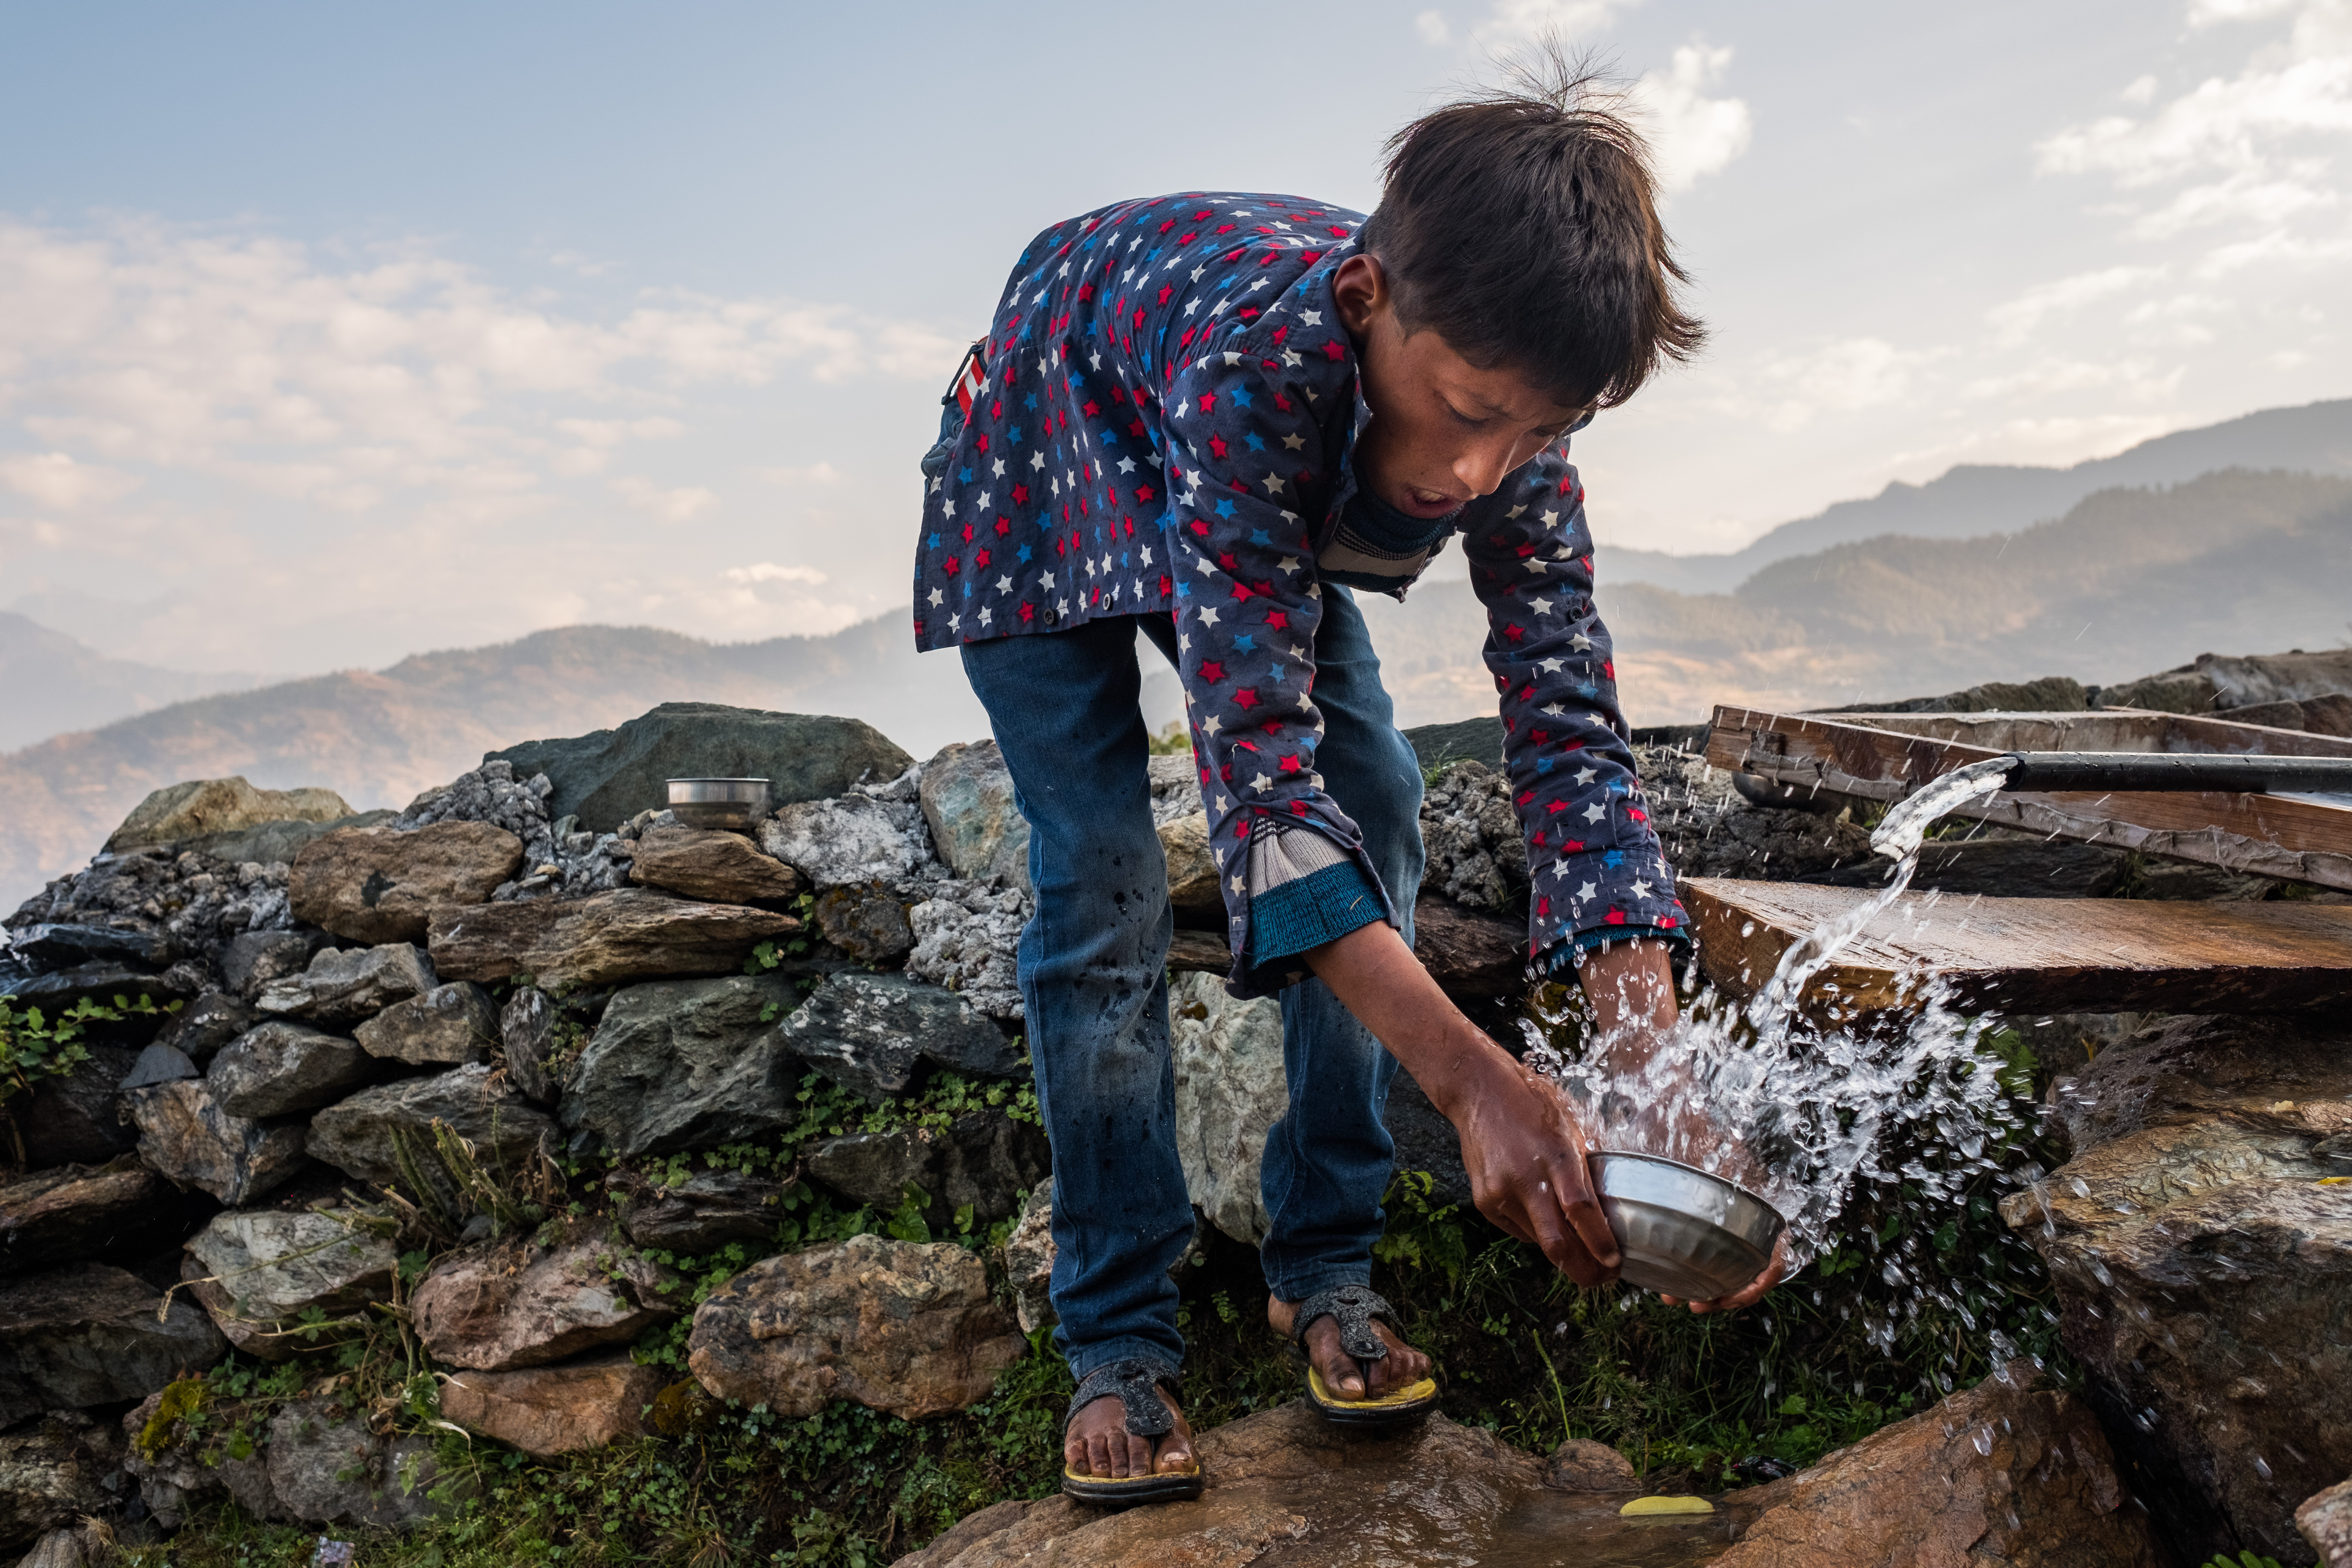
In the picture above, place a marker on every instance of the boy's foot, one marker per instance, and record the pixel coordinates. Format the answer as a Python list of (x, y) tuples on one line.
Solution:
[(1098, 1444), (1401, 1368)]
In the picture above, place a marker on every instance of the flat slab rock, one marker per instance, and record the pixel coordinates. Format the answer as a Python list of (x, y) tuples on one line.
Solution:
[(705, 1212), (870, 1032), (899, 1326), (504, 1305), (356, 1135), (983, 1160), (724, 868), (381, 884), (256, 1271), (342, 985), (76, 1213), (278, 1069), (201, 807), (629, 934), (187, 1136), (688, 1064), (445, 1026), (89, 1334), (549, 1410), (1288, 1490)]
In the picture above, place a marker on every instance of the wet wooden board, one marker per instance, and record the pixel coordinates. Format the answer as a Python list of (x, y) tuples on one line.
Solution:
[(2019, 955), (1885, 756)]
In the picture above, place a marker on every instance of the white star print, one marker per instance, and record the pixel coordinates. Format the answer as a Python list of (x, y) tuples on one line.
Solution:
[(1127, 464), (1549, 665), (1535, 566), (1208, 615), (938, 598), (998, 471), (1004, 585), (1036, 459), (1261, 783), (1640, 890), (1294, 441), (1274, 484), (1588, 891), (1595, 812), (1312, 318), (1543, 606), (1046, 578), (1553, 710), (1288, 564), (1290, 357), (1586, 776), (1580, 642)]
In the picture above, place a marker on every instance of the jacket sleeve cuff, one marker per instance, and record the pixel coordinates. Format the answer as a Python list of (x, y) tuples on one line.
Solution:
[(1307, 911), (1558, 960)]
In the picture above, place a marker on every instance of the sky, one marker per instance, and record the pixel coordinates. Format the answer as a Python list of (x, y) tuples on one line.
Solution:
[(329, 334)]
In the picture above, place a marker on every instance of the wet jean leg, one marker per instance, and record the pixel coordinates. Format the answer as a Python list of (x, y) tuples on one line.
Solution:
[(1094, 979), (1328, 1160)]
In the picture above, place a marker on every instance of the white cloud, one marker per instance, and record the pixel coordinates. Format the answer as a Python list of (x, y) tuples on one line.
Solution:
[(55, 479), (1849, 376), (2251, 151), (819, 473), (1513, 22), (2018, 319), (769, 572), (1690, 133), (672, 506)]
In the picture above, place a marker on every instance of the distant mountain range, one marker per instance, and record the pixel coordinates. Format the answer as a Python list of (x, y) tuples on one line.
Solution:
[(2128, 581), (54, 683), (1977, 499)]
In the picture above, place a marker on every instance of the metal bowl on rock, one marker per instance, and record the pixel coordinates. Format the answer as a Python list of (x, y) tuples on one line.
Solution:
[(732, 804), (1682, 1231)]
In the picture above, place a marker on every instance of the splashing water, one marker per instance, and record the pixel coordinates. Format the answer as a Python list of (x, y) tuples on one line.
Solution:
[(1798, 1109)]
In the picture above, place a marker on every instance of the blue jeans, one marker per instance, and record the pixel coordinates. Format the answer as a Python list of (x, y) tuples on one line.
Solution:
[(1094, 979)]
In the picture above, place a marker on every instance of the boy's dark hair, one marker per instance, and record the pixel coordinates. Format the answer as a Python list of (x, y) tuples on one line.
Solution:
[(1521, 226)]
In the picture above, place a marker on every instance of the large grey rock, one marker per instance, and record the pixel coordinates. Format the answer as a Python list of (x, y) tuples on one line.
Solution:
[(852, 838), (447, 1025), (277, 843), (724, 868), (894, 1325), (182, 1462), (52, 1473), (257, 1271), (102, 980), (201, 807), (632, 933), (253, 960), (1029, 1254), (550, 1410), (342, 985), (1476, 854), (1192, 885), (160, 1064), (2202, 1269), (189, 1138), (326, 1466), (704, 1213), (77, 1120), (278, 1069), (511, 1304), (607, 777), (359, 1135), (966, 936), (870, 1033), (526, 1034), (1228, 1092), (984, 1159), (868, 920), (187, 905), (967, 798), (380, 884), (212, 1021), (91, 1334), (688, 1064), (55, 944), (120, 1210)]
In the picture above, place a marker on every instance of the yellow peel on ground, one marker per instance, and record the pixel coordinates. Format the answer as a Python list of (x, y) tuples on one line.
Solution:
[(1642, 1505)]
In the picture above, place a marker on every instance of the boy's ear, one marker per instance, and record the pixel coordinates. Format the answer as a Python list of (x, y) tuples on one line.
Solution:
[(1361, 291)]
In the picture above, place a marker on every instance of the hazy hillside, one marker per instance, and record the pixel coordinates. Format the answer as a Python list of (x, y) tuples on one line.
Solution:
[(1981, 498), (2128, 583), (54, 683)]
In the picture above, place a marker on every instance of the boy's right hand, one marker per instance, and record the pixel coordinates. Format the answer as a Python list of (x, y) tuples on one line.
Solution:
[(1525, 1151)]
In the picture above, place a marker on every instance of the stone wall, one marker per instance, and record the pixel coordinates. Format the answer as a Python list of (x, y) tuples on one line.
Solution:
[(393, 1040)]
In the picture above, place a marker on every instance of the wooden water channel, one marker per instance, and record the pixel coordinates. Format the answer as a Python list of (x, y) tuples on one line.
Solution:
[(2018, 955)]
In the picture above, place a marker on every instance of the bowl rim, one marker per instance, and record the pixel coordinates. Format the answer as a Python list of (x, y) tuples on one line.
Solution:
[(1779, 1220)]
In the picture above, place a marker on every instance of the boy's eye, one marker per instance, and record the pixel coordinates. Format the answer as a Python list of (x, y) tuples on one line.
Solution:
[(1464, 419)]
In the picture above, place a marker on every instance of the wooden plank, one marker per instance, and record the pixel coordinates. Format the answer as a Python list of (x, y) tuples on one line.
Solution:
[(2018, 955), (2303, 838), (2109, 730)]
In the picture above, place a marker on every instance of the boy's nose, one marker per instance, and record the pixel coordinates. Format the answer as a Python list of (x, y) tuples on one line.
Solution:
[(1482, 468)]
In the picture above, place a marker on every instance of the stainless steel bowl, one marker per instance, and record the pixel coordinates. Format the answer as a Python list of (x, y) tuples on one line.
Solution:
[(734, 804), (1683, 1232)]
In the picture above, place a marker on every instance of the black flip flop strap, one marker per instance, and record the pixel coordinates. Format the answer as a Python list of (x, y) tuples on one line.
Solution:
[(1353, 1308), (1135, 1383)]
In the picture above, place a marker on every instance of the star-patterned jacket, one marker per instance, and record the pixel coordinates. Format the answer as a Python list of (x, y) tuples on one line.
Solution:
[(1162, 421)]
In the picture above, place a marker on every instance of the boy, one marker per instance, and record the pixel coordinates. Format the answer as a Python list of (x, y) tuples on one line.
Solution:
[(1213, 419)]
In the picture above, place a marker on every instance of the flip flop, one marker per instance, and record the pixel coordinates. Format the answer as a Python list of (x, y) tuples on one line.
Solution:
[(1353, 1308), (1135, 1383)]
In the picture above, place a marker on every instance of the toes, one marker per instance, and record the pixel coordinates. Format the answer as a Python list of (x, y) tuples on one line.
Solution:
[(1105, 1458), (1137, 1455)]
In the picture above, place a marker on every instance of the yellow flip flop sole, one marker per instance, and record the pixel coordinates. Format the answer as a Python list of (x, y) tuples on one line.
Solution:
[(1399, 1409), (1127, 1491)]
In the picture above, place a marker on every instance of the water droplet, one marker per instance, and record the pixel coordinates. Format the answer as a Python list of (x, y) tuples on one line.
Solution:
[(2261, 1468)]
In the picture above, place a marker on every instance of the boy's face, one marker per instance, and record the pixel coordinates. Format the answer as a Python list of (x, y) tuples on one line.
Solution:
[(1444, 432)]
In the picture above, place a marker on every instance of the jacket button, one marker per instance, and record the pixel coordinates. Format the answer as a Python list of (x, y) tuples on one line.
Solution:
[(1051, 616)]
